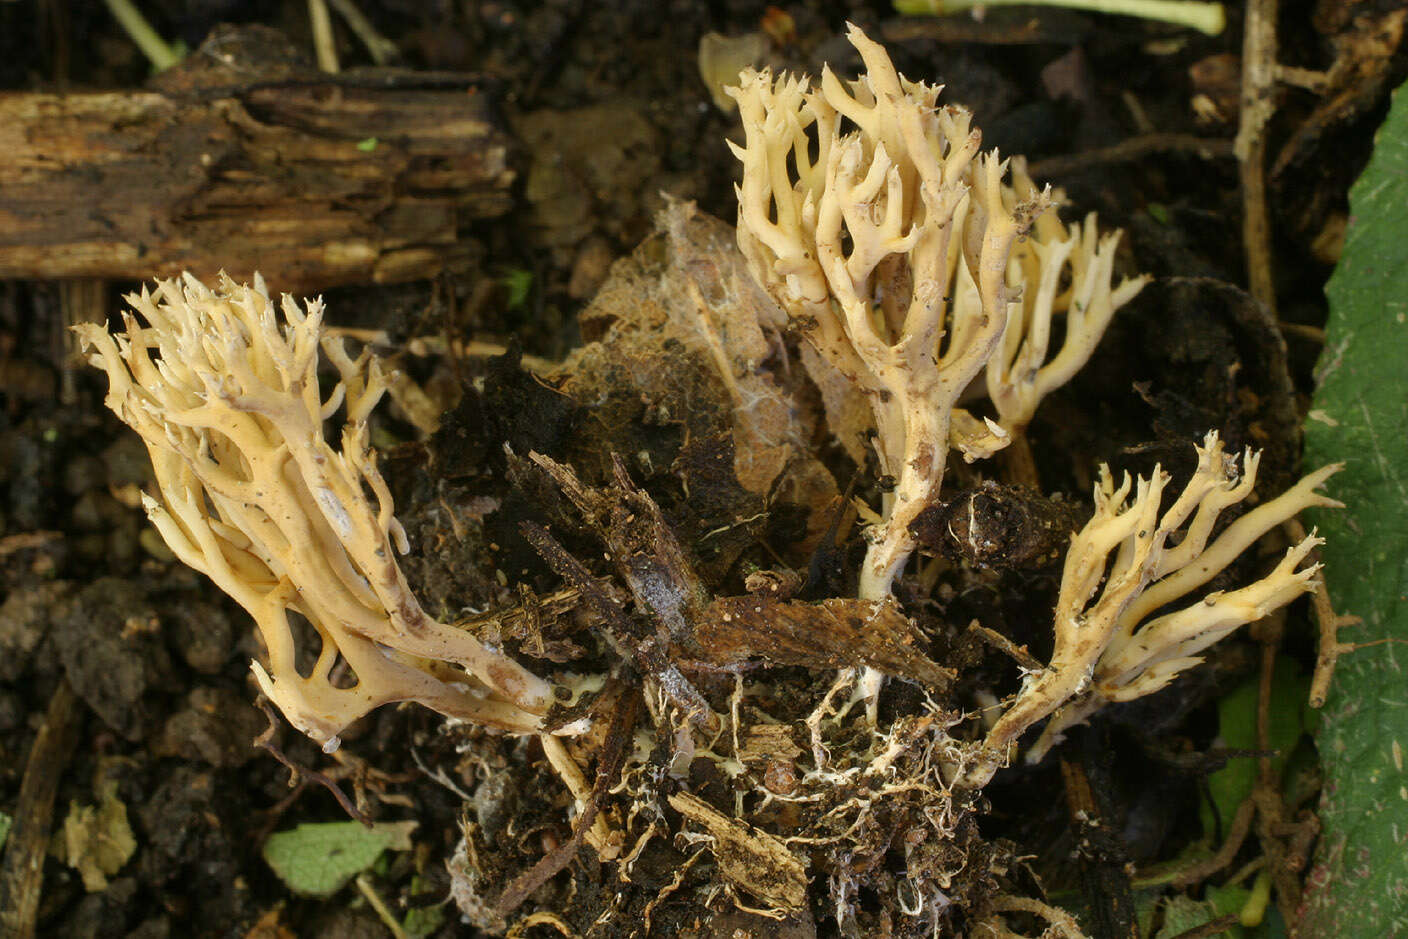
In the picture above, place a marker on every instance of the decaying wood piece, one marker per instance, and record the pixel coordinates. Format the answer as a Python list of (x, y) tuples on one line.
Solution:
[(22, 875), (836, 633), (752, 859), (726, 632), (239, 164)]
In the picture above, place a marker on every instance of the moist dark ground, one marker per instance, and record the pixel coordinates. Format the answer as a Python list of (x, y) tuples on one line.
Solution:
[(609, 112)]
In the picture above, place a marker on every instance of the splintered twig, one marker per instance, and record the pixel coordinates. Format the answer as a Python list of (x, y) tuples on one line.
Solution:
[(1330, 624)]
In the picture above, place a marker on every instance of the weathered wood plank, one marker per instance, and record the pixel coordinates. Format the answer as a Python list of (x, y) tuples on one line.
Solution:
[(315, 180)]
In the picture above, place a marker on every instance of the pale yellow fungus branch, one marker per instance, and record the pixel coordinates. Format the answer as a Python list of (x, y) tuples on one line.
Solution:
[(1056, 270), (223, 388), (1125, 566), (864, 209)]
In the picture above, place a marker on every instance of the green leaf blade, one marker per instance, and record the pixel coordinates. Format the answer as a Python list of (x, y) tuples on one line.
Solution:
[(319, 859), (1358, 885)]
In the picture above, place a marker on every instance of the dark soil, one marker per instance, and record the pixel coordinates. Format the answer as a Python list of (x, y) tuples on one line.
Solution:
[(610, 116)]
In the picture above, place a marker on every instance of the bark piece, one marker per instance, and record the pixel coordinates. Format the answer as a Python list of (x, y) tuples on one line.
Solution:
[(314, 180), (835, 633)]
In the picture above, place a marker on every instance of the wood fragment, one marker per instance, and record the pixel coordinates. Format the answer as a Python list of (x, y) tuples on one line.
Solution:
[(1366, 44), (763, 742), (836, 633), (649, 652), (314, 180), (1101, 859), (747, 857), (22, 875)]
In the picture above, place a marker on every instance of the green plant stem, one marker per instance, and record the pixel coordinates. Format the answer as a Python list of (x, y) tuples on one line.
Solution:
[(161, 55), (1206, 17)]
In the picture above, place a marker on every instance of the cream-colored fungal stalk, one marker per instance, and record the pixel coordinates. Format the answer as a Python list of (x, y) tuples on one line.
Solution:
[(1132, 561), (222, 386), (1056, 269), (859, 206)]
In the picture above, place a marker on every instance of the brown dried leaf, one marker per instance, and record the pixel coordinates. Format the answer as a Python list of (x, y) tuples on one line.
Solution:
[(689, 289), (848, 413)]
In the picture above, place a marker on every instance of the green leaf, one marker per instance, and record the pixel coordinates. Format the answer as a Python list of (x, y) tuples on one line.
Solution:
[(5, 823), (519, 283), (422, 921), (1229, 901), (318, 859), (1233, 783), (1359, 883), (1184, 913)]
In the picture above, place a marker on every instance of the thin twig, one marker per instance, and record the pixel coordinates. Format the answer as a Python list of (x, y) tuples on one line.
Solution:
[(81, 300), (23, 541), (22, 877), (1270, 807), (364, 884), (1330, 624), (265, 741), (324, 43), (1309, 333), (161, 55), (608, 770), (1135, 148), (997, 640), (1258, 105), (1236, 835), (1061, 922), (381, 49)]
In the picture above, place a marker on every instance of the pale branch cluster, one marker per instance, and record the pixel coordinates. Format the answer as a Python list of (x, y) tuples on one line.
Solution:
[(1124, 624), (222, 386), (870, 216), (1056, 269)]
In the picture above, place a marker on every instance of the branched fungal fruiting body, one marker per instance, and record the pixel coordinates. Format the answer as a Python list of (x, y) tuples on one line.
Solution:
[(224, 392), (863, 245), (892, 247), (873, 220), (1057, 269), (1126, 565)]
